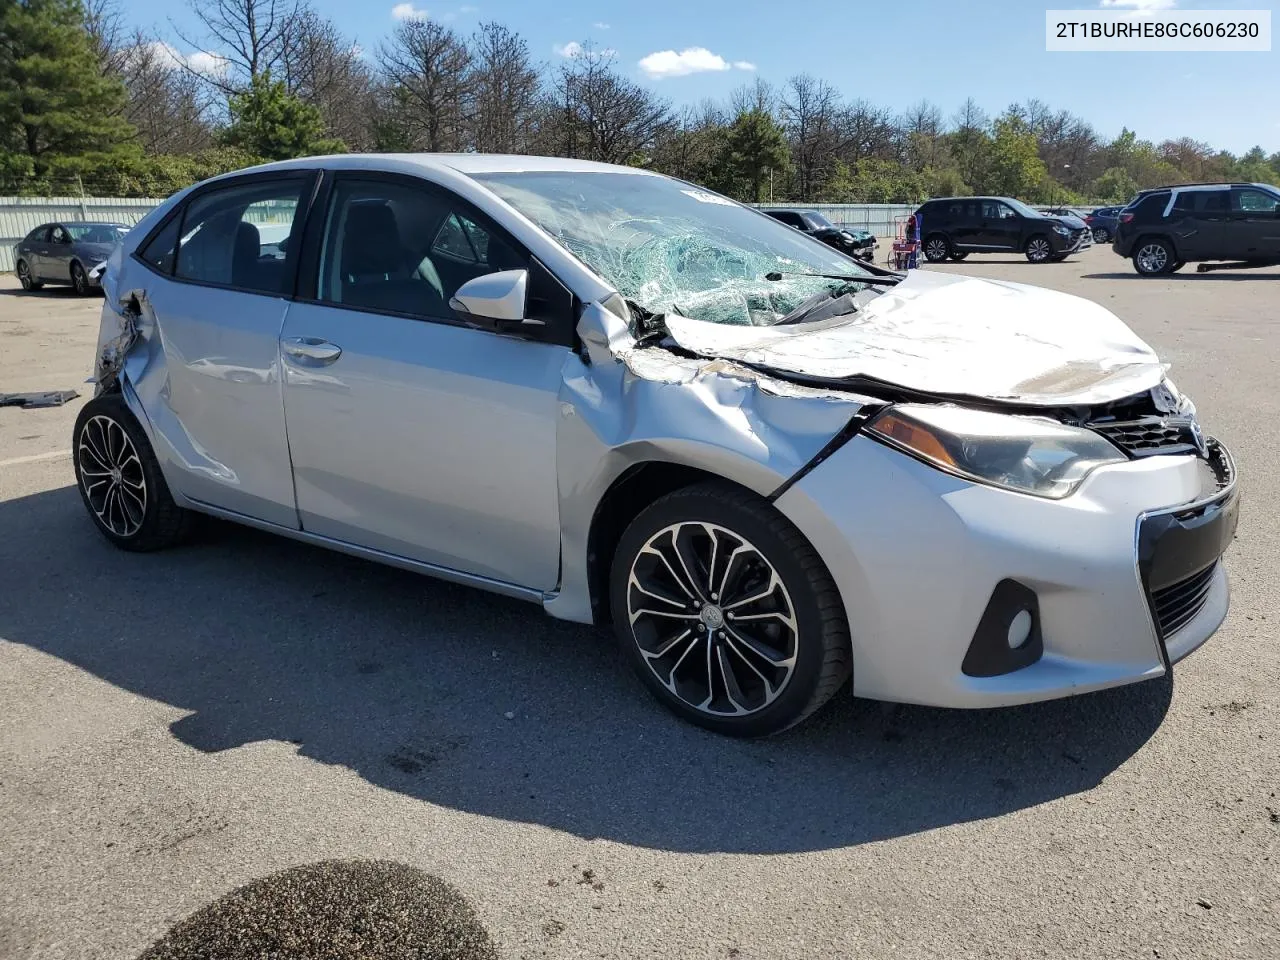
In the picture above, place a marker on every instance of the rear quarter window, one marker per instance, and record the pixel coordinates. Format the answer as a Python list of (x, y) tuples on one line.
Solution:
[(1151, 207)]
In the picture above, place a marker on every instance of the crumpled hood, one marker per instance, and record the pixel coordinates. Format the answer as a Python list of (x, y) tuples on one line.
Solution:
[(956, 336)]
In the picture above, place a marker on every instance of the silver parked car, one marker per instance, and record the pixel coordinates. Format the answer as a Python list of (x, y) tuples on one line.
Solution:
[(66, 253), (631, 400)]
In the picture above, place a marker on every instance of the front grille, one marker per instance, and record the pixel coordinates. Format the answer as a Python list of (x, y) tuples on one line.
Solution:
[(1177, 604), (1149, 435)]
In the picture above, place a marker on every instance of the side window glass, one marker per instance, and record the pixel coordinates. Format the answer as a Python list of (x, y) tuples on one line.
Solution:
[(1214, 201), (1253, 201), (405, 249), (59, 235), (159, 251), (238, 236)]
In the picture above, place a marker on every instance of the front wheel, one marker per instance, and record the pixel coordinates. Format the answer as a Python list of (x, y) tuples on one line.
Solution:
[(1153, 257), (25, 278), (1039, 250), (79, 279), (120, 480), (937, 248), (727, 613)]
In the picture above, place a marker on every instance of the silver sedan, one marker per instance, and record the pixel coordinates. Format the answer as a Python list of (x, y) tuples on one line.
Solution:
[(633, 401)]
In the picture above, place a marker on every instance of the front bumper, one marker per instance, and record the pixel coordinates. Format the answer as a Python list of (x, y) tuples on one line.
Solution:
[(918, 556), (95, 273)]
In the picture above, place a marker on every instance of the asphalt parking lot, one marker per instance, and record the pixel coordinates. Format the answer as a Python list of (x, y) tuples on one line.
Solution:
[(174, 725)]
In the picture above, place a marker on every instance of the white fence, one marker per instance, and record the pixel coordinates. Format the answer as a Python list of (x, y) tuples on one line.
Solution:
[(20, 215)]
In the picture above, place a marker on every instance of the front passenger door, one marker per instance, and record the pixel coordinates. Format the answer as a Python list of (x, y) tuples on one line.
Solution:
[(1253, 230), (413, 434)]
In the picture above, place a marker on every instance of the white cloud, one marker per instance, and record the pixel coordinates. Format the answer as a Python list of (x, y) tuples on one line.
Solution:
[(568, 50), (1140, 4), (668, 63), (743, 65), (600, 26), (407, 11), (208, 64)]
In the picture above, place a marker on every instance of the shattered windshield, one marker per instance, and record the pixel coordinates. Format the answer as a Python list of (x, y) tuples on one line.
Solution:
[(673, 248)]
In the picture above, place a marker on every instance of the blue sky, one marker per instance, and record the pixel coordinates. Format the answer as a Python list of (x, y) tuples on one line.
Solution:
[(890, 52)]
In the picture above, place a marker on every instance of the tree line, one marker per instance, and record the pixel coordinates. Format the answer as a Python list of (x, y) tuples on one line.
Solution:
[(88, 104)]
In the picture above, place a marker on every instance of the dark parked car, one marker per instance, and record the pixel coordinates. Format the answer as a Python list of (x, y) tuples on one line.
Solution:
[(70, 253), (954, 227), (1103, 223), (856, 243), (1164, 228)]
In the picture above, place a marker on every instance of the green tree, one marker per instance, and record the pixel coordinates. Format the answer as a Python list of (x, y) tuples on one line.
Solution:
[(1115, 185), (55, 103), (270, 122), (1015, 168), (756, 145)]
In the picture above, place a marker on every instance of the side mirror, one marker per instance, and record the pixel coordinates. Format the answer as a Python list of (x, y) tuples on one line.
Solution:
[(493, 301)]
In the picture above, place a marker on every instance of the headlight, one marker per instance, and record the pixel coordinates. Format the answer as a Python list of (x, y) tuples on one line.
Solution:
[(1059, 228), (1026, 454)]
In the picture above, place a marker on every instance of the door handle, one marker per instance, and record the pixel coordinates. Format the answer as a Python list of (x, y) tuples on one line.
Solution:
[(311, 348)]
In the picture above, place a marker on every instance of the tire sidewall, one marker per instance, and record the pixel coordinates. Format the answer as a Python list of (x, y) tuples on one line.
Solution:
[(807, 675), (79, 279), (114, 407), (24, 275)]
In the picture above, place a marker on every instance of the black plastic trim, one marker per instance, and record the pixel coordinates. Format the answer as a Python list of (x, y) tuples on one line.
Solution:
[(989, 654), (847, 433)]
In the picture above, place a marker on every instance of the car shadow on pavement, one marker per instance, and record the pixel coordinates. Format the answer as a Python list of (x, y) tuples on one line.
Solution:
[(409, 682)]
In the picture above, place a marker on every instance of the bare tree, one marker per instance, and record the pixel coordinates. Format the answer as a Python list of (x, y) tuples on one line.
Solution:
[(595, 113), (323, 67), (250, 35), (427, 72), (104, 22), (504, 90), (759, 95), (810, 108), (866, 131), (167, 105), (923, 130)]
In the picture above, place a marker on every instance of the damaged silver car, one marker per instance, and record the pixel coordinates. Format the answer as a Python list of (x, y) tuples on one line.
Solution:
[(634, 401)]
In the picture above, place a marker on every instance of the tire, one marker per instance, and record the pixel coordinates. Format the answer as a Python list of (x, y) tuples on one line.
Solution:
[(1153, 256), (1058, 257), (937, 248), (24, 276), (1100, 235), (135, 511), (79, 279), (957, 257), (1039, 250), (791, 659)]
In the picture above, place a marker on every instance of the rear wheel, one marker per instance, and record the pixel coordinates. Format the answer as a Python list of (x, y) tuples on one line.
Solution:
[(937, 248), (1100, 235), (120, 480), (25, 278), (79, 279), (727, 613), (1039, 250), (1153, 257)]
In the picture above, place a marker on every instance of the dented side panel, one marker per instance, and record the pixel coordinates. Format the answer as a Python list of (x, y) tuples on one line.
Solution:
[(624, 406), (202, 367)]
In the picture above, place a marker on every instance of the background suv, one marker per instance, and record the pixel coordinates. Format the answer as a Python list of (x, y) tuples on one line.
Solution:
[(1103, 223), (1164, 228), (954, 227)]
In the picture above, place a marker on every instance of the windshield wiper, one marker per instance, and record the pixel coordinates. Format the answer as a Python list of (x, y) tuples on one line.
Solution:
[(887, 280)]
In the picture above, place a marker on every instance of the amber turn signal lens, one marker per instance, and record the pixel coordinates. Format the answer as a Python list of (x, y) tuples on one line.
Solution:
[(914, 437)]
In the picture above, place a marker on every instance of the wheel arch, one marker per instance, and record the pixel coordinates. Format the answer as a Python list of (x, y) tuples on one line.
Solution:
[(634, 489)]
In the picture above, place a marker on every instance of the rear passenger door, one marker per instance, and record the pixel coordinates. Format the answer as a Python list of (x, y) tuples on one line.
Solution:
[(1001, 226), (1198, 222), (1253, 230), (36, 249), (217, 276), (411, 433)]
